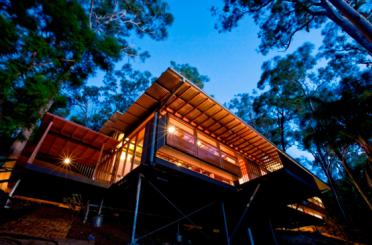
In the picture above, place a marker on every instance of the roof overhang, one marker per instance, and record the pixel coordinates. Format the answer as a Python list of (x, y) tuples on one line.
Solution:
[(69, 139), (174, 94)]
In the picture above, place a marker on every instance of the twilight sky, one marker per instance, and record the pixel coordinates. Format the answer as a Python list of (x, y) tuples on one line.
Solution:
[(229, 59)]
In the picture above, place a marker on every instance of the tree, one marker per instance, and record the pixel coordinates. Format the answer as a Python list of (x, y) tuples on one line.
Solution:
[(344, 121), (242, 106), (190, 73), (48, 46), (93, 105), (122, 19), (280, 20), (285, 85)]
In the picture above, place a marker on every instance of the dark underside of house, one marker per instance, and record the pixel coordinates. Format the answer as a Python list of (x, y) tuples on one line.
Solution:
[(174, 201), (176, 168)]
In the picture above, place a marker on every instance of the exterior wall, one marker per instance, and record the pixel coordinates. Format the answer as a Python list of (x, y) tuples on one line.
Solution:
[(130, 154), (188, 147)]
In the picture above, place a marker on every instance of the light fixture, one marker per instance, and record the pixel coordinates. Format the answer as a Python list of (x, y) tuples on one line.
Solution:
[(171, 129), (122, 156), (67, 161)]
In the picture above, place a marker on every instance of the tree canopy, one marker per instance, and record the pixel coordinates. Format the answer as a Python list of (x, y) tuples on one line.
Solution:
[(52, 46), (93, 105), (280, 20), (191, 73)]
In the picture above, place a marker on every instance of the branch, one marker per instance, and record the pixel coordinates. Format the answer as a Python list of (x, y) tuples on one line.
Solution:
[(91, 13), (296, 30)]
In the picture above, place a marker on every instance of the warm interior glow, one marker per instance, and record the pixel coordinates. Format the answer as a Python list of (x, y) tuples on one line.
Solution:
[(171, 129), (67, 161), (122, 156)]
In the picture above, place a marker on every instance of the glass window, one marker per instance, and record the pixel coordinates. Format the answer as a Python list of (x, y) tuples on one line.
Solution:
[(198, 144), (180, 125), (131, 155), (207, 139), (139, 149), (181, 136)]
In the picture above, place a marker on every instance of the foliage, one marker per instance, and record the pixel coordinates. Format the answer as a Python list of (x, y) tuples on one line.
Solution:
[(346, 119), (37, 58), (93, 105), (191, 73), (123, 19), (52, 46), (242, 105), (280, 20), (323, 108)]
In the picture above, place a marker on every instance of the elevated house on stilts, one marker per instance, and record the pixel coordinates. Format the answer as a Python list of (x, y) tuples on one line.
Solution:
[(183, 167)]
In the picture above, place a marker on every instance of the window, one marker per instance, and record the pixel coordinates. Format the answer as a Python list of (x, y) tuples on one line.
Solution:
[(181, 136), (189, 140), (131, 155)]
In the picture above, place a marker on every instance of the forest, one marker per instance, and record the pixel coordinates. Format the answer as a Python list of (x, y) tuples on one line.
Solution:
[(317, 99)]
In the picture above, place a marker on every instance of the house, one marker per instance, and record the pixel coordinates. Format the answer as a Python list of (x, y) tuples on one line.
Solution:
[(181, 163)]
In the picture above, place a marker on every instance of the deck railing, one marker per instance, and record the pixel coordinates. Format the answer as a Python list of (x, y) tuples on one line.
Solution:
[(208, 153)]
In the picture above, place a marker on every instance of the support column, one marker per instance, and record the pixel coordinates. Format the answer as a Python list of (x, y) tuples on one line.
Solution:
[(138, 195), (225, 223), (87, 212), (37, 148), (98, 162), (250, 236), (242, 217), (7, 204), (153, 138), (275, 242)]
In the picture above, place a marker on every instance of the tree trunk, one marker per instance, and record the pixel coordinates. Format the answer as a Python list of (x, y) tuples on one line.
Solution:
[(352, 179), (18, 145), (356, 33), (365, 147), (357, 19), (323, 165)]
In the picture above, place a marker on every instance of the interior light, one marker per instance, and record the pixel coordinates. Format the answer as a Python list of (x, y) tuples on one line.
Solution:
[(67, 161), (198, 143), (122, 156), (171, 129)]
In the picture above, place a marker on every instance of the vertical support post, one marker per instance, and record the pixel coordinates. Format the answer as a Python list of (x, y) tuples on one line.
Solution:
[(275, 242), (98, 161), (250, 236), (7, 204), (116, 163), (86, 212), (153, 138), (138, 195), (100, 208), (37, 148), (225, 223), (242, 217)]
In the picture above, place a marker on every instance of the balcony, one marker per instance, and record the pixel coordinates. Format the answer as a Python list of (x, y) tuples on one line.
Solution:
[(188, 140)]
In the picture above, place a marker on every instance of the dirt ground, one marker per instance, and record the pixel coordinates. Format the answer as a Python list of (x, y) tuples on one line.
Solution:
[(40, 224)]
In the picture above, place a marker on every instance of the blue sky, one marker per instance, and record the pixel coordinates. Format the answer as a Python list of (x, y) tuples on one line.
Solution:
[(229, 59)]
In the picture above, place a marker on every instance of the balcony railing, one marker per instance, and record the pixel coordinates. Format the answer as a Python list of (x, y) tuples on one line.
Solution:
[(185, 142)]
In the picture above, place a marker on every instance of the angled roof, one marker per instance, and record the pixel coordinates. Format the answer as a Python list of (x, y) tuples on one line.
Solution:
[(66, 138), (178, 96)]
